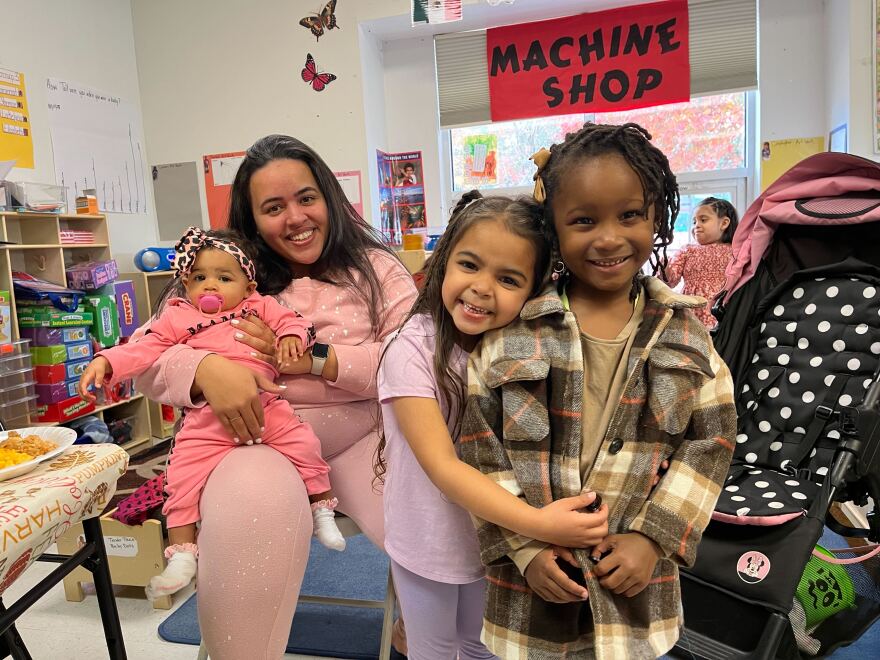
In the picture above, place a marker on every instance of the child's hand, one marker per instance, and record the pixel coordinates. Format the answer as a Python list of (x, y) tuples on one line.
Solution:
[(564, 523), (98, 370), (629, 565), (290, 349), (549, 581)]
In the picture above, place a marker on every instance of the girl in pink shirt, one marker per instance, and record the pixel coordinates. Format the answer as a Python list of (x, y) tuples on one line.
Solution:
[(702, 266), (219, 279), (491, 259)]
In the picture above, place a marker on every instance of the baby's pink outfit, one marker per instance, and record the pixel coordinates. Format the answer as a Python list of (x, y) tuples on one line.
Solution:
[(202, 442)]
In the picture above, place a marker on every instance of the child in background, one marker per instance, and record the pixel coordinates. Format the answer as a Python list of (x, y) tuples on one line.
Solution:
[(599, 380), (220, 285), (702, 266), (490, 260)]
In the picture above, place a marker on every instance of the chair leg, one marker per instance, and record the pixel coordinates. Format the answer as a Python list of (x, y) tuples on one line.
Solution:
[(387, 620), (12, 641), (104, 590)]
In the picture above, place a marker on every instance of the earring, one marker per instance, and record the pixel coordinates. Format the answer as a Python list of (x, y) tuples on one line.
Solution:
[(558, 271)]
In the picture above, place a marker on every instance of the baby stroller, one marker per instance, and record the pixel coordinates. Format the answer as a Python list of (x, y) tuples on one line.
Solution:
[(799, 326)]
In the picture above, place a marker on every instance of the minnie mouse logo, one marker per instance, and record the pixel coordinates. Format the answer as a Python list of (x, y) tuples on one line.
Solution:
[(753, 567)]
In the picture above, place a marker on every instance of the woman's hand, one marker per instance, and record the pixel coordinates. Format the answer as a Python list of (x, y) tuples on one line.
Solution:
[(253, 332), (563, 523), (303, 365), (233, 392)]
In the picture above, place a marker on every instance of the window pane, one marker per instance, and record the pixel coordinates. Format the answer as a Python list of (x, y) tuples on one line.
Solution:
[(703, 135), (685, 219)]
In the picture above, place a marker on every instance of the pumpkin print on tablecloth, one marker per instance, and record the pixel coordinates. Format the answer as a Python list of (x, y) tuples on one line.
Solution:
[(71, 460), (15, 570)]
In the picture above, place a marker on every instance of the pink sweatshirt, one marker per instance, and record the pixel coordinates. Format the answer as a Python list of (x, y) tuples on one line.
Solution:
[(344, 411), (181, 323)]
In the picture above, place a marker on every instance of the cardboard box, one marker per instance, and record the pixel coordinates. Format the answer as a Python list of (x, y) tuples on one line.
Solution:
[(126, 304), (56, 392), (65, 410), (51, 336), (92, 275), (51, 317), (58, 373), (105, 327), (87, 203), (46, 355)]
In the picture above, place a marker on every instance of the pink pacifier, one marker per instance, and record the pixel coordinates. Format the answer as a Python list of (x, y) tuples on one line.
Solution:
[(210, 303)]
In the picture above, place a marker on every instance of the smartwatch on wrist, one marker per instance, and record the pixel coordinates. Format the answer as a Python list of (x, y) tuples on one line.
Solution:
[(320, 353)]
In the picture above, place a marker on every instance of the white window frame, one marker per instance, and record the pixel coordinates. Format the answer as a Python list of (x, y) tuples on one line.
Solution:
[(740, 182)]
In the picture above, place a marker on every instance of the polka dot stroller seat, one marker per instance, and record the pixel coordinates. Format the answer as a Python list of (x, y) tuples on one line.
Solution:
[(816, 350), (799, 327)]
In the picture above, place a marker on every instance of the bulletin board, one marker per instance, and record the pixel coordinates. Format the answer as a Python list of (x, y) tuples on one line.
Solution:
[(779, 156), (220, 170)]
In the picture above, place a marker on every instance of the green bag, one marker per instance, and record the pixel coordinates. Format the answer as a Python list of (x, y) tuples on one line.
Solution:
[(825, 589)]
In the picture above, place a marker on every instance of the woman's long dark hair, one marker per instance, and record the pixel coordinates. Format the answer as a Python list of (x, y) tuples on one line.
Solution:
[(521, 216), (345, 257)]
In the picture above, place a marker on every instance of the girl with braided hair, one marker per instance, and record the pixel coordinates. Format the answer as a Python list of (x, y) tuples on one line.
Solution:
[(601, 378), (702, 266)]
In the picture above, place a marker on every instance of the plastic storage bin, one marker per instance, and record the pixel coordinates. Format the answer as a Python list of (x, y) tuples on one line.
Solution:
[(40, 197), (18, 359), (10, 395)]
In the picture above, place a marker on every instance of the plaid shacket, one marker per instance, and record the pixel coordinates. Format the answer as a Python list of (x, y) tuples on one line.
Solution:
[(522, 428)]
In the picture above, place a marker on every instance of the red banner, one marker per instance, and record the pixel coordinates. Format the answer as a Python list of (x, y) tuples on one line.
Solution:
[(624, 58)]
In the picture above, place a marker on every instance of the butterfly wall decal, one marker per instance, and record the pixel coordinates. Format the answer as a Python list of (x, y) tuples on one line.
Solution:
[(325, 19), (311, 75)]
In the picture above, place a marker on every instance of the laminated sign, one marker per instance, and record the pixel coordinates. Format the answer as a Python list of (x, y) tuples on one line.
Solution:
[(624, 58)]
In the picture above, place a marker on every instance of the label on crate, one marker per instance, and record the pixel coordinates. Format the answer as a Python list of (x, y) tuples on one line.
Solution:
[(121, 546)]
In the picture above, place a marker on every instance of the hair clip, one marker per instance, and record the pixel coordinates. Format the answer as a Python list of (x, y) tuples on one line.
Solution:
[(540, 158)]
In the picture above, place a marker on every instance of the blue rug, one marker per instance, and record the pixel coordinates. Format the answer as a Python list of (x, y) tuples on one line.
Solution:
[(325, 630)]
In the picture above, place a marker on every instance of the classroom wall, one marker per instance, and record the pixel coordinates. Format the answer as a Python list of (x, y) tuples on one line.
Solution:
[(412, 114), (792, 67), (215, 78), (90, 42)]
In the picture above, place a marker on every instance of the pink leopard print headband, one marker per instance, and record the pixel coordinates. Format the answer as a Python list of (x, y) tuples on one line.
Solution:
[(195, 239)]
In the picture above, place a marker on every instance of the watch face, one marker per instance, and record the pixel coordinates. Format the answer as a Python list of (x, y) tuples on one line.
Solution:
[(320, 350)]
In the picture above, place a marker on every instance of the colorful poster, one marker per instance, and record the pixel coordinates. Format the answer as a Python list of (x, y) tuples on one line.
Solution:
[(435, 11), (630, 57), (350, 182), (220, 171), (401, 195), (779, 156), (97, 142), (480, 159), (16, 139)]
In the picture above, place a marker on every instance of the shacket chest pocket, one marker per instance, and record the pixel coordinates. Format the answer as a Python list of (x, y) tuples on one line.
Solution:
[(523, 393), (674, 378)]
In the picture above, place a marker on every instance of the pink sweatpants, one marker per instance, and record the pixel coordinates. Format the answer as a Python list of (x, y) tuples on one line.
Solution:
[(253, 549), (202, 443)]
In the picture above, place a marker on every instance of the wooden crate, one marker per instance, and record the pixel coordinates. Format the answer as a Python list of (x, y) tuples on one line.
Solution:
[(135, 554)]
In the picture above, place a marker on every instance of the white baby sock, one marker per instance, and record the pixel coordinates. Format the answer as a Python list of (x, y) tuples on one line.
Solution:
[(179, 572), (325, 525)]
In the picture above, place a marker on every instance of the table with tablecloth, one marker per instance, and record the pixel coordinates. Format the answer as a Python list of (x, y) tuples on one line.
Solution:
[(40, 506)]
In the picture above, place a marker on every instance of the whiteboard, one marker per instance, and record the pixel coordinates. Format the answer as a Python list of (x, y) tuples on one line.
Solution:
[(97, 141)]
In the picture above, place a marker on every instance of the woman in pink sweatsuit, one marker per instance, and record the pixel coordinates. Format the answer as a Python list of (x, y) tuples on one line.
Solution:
[(219, 280), (320, 258)]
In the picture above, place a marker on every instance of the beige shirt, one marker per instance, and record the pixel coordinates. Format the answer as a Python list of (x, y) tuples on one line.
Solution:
[(605, 362)]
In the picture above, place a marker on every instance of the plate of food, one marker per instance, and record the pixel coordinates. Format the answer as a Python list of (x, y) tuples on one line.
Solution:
[(22, 450)]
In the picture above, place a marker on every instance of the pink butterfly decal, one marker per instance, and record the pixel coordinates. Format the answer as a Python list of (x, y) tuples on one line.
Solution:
[(318, 80)]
